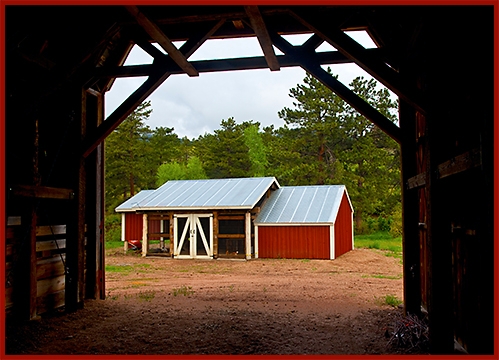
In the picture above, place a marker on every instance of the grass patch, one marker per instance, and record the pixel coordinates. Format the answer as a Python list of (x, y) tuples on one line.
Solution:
[(183, 290), (113, 245), (380, 241), (390, 300), (119, 268), (380, 276)]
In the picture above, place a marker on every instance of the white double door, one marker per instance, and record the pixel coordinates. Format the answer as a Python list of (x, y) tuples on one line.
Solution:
[(193, 236)]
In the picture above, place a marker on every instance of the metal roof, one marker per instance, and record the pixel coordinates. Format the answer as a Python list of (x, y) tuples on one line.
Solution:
[(240, 193), (318, 204), (131, 204)]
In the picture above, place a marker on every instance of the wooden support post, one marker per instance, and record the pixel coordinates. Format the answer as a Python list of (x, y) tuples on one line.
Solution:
[(100, 284), (161, 230), (32, 267), (215, 234), (145, 231), (440, 286), (247, 224), (32, 243), (172, 239), (410, 213), (75, 246)]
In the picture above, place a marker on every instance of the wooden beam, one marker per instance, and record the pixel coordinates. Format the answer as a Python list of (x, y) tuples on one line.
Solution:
[(416, 181), (42, 192), (230, 64), (313, 67), (231, 236), (150, 49), (456, 165), (138, 96), (374, 66), (460, 163), (258, 25), (155, 32)]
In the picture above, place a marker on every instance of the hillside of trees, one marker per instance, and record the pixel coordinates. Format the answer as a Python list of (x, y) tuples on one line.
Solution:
[(323, 141)]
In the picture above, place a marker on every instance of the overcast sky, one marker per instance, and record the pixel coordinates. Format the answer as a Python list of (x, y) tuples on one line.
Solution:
[(194, 106)]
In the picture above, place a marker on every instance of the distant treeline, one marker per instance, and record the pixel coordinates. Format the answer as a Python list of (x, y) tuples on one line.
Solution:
[(323, 141)]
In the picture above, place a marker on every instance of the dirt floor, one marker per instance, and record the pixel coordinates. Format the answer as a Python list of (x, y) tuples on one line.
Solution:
[(157, 305)]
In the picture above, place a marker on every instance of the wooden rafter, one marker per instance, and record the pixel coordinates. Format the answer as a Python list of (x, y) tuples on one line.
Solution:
[(155, 32), (262, 34), (138, 96), (372, 65), (231, 64), (309, 64)]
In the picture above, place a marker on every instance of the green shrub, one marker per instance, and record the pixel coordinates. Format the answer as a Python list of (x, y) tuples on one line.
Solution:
[(112, 228)]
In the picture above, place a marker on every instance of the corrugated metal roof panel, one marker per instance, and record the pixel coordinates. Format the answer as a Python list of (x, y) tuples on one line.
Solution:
[(238, 193), (132, 203), (302, 204)]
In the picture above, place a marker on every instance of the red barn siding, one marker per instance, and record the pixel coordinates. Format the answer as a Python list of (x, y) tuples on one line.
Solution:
[(343, 228), (293, 242), (133, 226)]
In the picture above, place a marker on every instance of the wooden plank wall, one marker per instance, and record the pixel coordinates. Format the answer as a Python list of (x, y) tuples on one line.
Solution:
[(50, 262)]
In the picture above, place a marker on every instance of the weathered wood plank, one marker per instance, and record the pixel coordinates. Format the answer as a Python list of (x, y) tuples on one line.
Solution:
[(42, 192), (13, 221), (460, 163), (50, 285), (49, 268), (50, 245), (50, 230), (416, 181)]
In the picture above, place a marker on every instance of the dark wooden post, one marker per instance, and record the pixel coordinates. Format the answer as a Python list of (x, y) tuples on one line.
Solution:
[(440, 299), (410, 212), (94, 278), (75, 244)]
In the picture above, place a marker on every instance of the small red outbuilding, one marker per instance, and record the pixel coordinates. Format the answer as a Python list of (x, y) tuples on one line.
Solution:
[(305, 222)]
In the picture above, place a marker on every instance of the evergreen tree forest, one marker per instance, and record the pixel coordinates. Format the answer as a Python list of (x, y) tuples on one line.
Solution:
[(323, 141)]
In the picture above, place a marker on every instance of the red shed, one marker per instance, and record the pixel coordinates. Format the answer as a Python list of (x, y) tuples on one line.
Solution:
[(305, 222)]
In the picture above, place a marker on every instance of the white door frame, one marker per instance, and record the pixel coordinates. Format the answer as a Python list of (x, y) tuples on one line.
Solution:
[(192, 229)]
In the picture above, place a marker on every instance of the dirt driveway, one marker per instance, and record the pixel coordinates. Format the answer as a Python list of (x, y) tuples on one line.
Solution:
[(158, 305)]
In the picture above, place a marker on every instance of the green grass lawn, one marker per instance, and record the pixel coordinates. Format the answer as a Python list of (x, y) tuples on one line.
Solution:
[(380, 241)]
